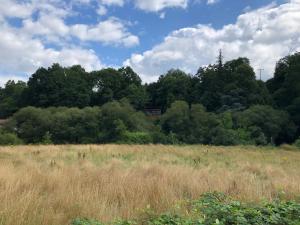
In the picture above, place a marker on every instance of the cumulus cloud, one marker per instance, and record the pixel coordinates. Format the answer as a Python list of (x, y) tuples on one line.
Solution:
[(23, 50), (146, 5), (211, 2), (21, 54), (112, 2), (102, 10), (111, 31), (50, 24), (11, 8), (262, 35), (158, 5), (45, 37)]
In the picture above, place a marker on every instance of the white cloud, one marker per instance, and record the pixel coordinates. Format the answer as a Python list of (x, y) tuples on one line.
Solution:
[(11, 8), (20, 54), (111, 31), (47, 25), (26, 48), (158, 5), (162, 15), (102, 10), (112, 2), (211, 2), (262, 35)]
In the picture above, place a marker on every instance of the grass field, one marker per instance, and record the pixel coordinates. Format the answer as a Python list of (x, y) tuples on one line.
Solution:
[(51, 185)]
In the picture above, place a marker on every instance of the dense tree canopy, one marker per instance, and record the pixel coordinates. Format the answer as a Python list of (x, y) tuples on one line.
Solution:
[(285, 86), (231, 86), (58, 86), (11, 98), (222, 104), (173, 86), (110, 84)]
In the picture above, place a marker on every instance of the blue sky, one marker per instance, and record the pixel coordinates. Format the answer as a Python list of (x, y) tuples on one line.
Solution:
[(151, 36)]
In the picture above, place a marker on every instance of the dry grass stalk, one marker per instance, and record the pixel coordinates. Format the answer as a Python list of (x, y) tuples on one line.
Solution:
[(51, 185)]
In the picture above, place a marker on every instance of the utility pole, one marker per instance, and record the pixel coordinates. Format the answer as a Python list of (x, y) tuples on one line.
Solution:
[(260, 72), (220, 60)]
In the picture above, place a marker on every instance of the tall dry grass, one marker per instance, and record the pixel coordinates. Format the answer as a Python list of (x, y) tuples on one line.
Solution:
[(51, 185)]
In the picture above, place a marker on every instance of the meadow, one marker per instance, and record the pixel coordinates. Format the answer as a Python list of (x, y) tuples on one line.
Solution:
[(52, 185)]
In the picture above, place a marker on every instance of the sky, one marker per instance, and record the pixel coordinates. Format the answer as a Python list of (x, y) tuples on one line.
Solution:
[(151, 36)]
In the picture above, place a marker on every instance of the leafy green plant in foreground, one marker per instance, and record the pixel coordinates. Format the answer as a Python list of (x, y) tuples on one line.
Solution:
[(218, 209), (85, 222)]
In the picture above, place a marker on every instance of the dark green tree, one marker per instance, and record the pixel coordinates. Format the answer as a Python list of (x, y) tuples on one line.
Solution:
[(59, 86), (175, 85), (11, 98), (117, 118), (285, 86), (73, 125), (190, 125), (31, 124), (231, 86), (110, 84), (267, 125)]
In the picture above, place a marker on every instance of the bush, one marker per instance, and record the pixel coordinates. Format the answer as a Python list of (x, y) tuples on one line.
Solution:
[(9, 139), (31, 124), (297, 143), (136, 138), (85, 222)]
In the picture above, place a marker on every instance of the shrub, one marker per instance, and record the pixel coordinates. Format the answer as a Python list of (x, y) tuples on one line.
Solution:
[(9, 139), (136, 138), (297, 143), (161, 138), (85, 222)]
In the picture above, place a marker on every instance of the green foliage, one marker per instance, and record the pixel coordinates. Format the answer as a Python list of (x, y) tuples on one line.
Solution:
[(231, 86), (225, 137), (73, 125), (11, 98), (216, 208), (137, 138), (223, 104), (175, 85), (285, 86), (117, 118), (47, 139), (31, 124), (189, 125), (297, 143), (266, 124), (113, 85), (9, 138), (85, 222), (113, 122), (58, 86)]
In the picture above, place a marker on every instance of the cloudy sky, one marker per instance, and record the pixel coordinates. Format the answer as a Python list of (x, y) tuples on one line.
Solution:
[(151, 36)]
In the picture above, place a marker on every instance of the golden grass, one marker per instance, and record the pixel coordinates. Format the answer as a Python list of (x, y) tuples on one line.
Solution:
[(51, 185)]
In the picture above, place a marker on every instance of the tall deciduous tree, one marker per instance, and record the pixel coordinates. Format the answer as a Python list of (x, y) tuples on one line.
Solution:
[(59, 86), (11, 98), (285, 86), (110, 84), (175, 85), (231, 86)]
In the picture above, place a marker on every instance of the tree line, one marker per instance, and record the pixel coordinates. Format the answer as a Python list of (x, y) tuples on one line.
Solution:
[(222, 104)]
